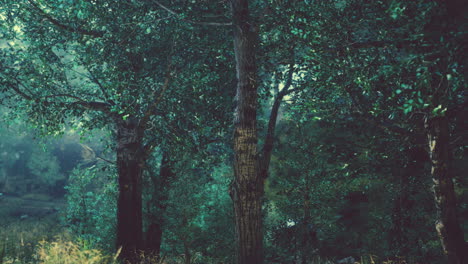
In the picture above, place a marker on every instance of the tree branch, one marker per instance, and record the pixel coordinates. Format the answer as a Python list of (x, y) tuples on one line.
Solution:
[(91, 105), (269, 137), (95, 106), (386, 125), (57, 23), (106, 160), (98, 83), (62, 95), (20, 93), (192, 21), (381, 43)]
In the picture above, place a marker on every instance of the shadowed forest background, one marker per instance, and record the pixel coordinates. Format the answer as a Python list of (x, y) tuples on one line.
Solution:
[(235, 131)]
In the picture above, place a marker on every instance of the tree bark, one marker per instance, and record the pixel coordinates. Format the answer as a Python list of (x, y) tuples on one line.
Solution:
[(400, 218), (130, 163), (247, 187), (156, 228), (154, 239), (438, 133), (447, 225), (269, 137), (306, 232)]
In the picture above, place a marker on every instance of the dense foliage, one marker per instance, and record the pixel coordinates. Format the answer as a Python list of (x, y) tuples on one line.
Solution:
[(349, 132)]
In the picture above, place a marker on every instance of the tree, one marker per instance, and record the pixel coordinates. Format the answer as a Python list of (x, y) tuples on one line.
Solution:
[(247, 187), (414, 62), (451, 18), (104, 63)]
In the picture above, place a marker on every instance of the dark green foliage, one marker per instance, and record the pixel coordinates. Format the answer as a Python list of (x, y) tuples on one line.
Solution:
[(350, 173)]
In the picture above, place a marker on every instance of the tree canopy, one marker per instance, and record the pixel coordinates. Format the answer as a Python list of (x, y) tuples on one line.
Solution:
[(246, 131)]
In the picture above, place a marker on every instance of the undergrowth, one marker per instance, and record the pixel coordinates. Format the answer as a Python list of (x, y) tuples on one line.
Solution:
[(19, 244)]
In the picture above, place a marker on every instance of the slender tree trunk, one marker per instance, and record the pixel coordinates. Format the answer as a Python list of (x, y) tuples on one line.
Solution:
[(130, 163), (154, 239), (155, 230), (447, 225), (401, 219), (187, 255), (270, 135), (247, 187), (306, 232), (269, 138), (185, 240)]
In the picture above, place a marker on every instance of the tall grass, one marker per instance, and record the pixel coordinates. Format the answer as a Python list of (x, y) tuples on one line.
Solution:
[(18, 239), (19, 245), (67, 252)]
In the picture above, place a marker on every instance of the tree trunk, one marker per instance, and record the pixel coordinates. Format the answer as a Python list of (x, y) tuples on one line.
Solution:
[(187, 255), (447, 225), (130, 163), (401, 218), (154, 239), (269, 137), (306, 223), (438, 133), (155, 230), (247, 187), (264, 166)]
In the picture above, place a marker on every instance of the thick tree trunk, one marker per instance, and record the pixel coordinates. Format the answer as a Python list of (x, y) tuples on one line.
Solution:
[(247, 187), (130, 163), (447, 225)]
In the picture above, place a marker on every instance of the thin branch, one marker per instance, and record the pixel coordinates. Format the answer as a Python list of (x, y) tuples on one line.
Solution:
[(95, 106), (19, 92), (288, 83), (106, 160), (57, 23), (150, 146), (62, 95), (91, 105), (381, 43), (192, 21), (98, 83)]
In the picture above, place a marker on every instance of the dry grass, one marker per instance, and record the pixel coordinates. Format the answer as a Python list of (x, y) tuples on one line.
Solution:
[(66, 252), (19, 239)]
